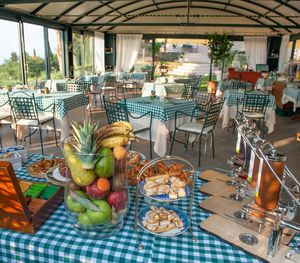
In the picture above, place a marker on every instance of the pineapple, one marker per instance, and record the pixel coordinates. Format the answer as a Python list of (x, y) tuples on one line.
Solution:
[(86, 143)]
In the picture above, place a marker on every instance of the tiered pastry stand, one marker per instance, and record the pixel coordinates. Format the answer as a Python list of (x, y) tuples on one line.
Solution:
[(167, 160)]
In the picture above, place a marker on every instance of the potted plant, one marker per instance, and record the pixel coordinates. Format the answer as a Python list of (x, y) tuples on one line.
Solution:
[(219, 47)]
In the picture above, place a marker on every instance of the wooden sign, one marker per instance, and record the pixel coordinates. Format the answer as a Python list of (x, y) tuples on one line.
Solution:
[(15, 214)]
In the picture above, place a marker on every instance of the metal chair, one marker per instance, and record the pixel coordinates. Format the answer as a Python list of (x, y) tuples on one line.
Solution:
[(116, 110), (199, 128), (254, 107), (202, 100), (5, 118), (188, 92), (26, 113)]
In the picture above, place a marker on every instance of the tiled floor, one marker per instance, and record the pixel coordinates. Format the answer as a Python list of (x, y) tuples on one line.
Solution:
[(284, 138)]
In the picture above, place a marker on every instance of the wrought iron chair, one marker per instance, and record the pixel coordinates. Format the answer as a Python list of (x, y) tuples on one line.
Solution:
[(26, 113), (199, 128), (254, 106), (188, 92), (5, 118), (202, 100), (116, 110)]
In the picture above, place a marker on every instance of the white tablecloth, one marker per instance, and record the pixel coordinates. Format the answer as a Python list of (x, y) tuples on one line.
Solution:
[(229, 112), (160, 131), (52, 84), (292, 94), (160, 89), (265, 85)]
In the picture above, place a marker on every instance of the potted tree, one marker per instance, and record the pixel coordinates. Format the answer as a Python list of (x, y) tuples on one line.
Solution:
[(219, 51)]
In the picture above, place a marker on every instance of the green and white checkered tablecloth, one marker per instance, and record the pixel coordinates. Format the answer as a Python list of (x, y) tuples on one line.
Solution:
[(64, 102), (231, 97), (233, 84), (57, 241), (162, 110)]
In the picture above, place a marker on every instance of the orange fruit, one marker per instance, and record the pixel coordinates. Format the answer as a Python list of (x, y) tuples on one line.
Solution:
[(103, 184)]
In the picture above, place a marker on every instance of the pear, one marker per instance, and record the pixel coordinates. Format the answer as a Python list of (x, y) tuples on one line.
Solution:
[(80, 176)]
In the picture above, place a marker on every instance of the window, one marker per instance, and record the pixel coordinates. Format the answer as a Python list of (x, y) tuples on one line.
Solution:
[(88, 54), (144, 60), (297, 51), (56, 53), (10, 61), (77, 54), (35, 53)]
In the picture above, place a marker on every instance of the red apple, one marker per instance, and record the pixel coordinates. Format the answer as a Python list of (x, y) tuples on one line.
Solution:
[(94, 192), (118, 199)]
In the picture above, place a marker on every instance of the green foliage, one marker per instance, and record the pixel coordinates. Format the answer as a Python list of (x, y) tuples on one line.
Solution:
[(219, 46), (10, 71)]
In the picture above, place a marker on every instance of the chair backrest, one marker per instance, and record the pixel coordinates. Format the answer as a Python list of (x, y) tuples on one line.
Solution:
[(115, 109), (23, 106), (188, 92), (255, 102), (202, 98), (212, 114)]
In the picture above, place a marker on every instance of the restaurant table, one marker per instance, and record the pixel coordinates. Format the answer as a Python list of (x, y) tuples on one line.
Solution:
[(68, 107), (163, 118), (231, 84), (148, 87), (56, 85), (264, 84), (291, 93), (57, 241), (230, 109)]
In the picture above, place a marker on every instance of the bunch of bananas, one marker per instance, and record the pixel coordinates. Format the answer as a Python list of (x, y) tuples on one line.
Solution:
[(117, 133)]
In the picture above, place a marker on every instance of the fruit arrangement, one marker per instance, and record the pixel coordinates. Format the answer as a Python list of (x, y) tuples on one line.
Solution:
[(97, 184)]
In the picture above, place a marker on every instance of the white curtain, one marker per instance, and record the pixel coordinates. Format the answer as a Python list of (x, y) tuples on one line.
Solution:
[(99, 53), (283, 53), (127, 51), (256, 50)]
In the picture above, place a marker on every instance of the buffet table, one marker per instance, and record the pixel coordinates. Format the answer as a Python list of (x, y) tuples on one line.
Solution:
[(68, 107), (229, 109), (292, 94), (57, 241), (163, 118)]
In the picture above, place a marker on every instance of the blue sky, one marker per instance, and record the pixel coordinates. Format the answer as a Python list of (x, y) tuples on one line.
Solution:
[(33, 39)]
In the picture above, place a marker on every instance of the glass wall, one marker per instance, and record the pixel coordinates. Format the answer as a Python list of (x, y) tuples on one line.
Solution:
[(56, 53), (35, 53), (78, 54), (88, 54), (144, 60), (297, 51), (10, 59)]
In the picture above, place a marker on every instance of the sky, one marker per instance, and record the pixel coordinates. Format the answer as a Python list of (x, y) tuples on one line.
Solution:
[(33, 39)]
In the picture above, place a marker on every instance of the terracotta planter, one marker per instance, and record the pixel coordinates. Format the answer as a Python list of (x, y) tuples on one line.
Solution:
[(212, 87)]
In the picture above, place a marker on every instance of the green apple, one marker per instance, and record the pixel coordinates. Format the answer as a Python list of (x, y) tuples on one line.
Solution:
[(84, 220), (105, 164), (102, 216), (73, 205)]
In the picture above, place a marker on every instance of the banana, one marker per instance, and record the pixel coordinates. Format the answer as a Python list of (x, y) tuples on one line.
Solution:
[(123, 123), (112, 131), (112, 141)]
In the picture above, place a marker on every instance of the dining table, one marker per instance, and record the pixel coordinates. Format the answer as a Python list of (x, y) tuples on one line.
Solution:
[(163, 112), (229, 110), (291, 93), (57, 240), (68, 107)]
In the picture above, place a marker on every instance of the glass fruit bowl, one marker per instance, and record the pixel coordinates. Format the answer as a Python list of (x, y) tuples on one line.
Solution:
[(96, 193)]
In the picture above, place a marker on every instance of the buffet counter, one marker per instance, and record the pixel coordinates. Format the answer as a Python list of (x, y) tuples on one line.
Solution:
[(57, 241)]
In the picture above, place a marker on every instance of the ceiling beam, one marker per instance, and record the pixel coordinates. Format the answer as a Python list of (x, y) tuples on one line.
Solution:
[(195, 6), (112, 8), (67, 10), (38, 9), (39, 1), (188, 11), (182, 24), (293, 8)]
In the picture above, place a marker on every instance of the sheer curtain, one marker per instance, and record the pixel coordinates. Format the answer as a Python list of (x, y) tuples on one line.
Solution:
[(284, 52), (256, 50), (127, 51), (99, 53)]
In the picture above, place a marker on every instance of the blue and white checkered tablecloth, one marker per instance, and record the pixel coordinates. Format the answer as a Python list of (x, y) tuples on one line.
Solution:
[(162, 110), (64, 102), (57, 241), (231, 97)]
